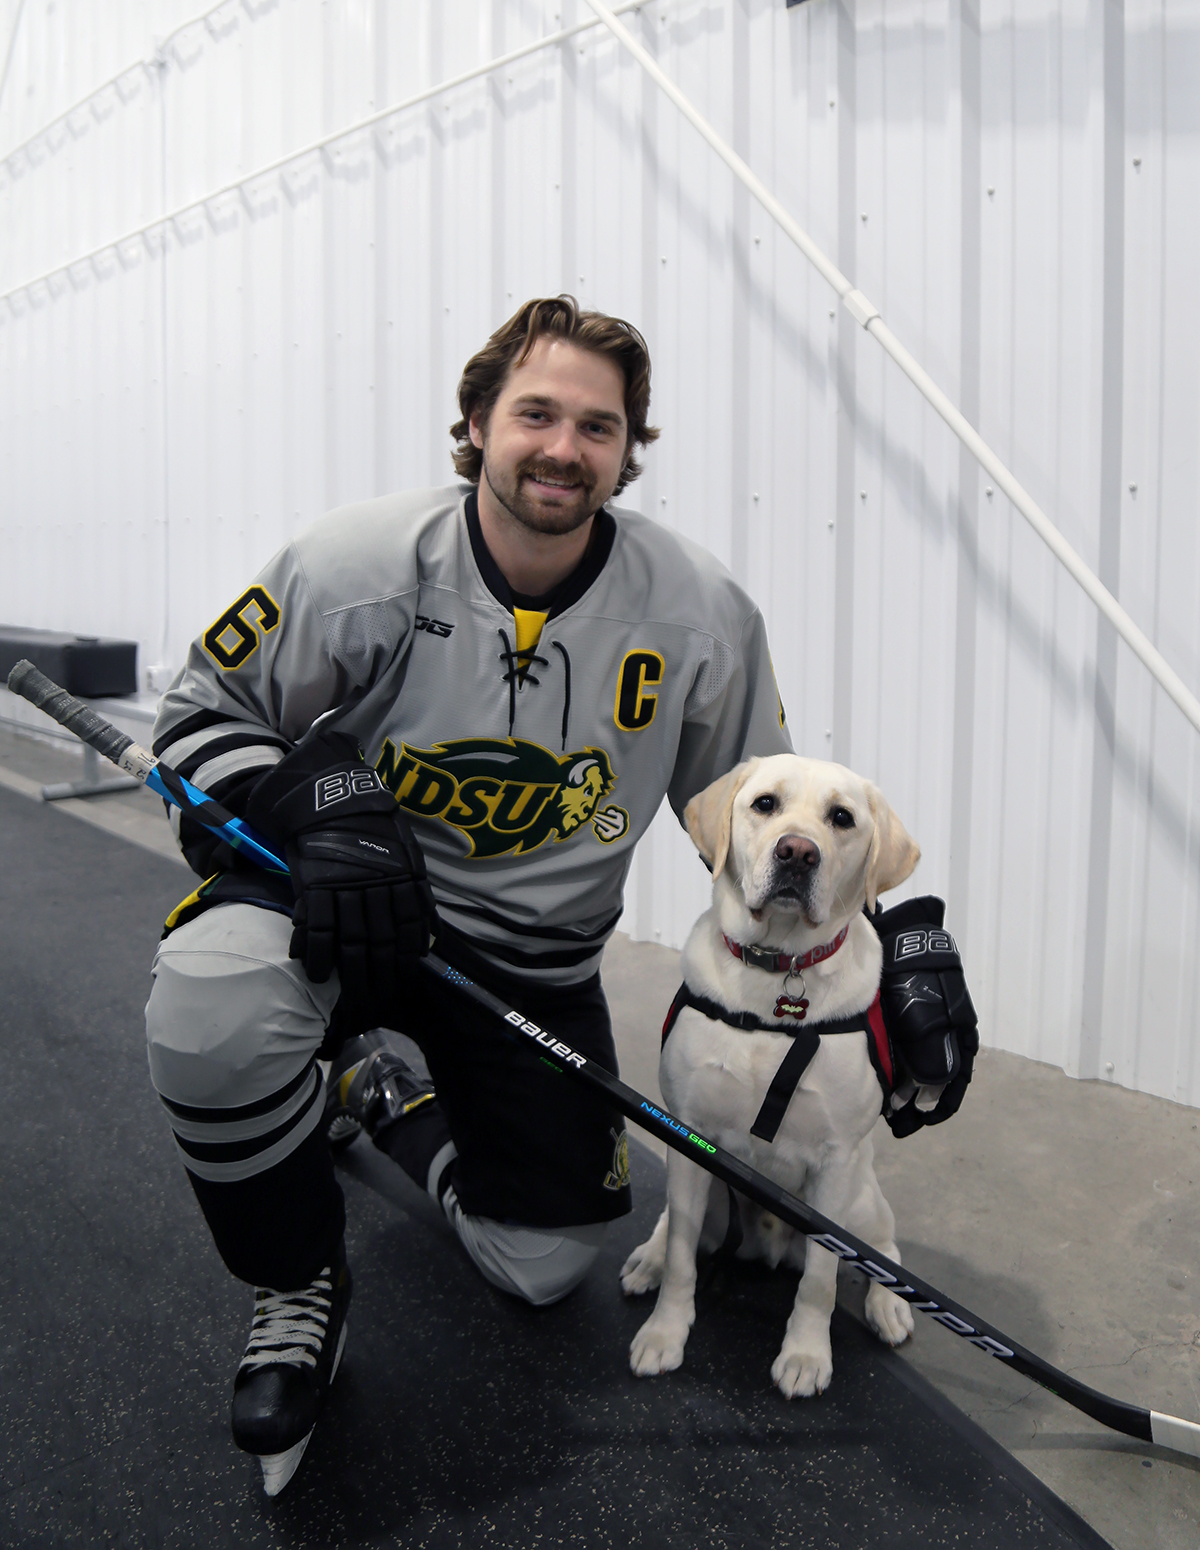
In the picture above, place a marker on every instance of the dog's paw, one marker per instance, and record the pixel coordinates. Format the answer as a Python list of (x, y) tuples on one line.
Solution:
[(643, 1270), (657, 1347), (888, 1315), (799, 1374)]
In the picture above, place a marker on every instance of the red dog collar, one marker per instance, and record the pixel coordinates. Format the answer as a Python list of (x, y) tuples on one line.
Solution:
[(785, 963)]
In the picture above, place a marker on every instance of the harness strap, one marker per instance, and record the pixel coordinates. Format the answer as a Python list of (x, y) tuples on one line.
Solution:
[(746, 1021), (805, 1041), (879, 1046), (805, 1044)]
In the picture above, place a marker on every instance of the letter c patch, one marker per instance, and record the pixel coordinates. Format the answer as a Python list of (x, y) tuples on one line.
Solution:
[(634, 708)]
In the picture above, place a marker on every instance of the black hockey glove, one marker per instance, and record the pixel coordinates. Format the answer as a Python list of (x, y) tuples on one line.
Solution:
[(927, 1011), (363, 903)]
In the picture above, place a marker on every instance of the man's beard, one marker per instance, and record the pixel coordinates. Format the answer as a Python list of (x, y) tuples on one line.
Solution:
[(524, 507)]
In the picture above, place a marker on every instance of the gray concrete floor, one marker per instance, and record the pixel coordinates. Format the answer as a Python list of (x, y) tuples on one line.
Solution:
[(1067, 1213), (28, 763)]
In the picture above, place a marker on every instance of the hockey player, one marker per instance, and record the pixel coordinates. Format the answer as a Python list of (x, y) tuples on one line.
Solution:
[(458, 710)]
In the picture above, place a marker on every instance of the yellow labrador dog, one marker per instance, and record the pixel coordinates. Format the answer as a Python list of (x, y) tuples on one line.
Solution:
[(796, 847)]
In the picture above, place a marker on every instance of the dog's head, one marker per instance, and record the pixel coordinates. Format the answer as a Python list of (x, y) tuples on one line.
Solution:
[(801, 837)]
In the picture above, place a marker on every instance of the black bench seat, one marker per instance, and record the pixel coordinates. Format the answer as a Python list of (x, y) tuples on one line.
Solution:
[(86, 665)]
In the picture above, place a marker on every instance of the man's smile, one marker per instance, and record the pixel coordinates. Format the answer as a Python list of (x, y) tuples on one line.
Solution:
[(554, 483)]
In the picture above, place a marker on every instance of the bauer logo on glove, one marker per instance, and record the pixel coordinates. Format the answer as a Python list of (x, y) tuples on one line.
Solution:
[(363, 903), (345, 784), (915, 944)]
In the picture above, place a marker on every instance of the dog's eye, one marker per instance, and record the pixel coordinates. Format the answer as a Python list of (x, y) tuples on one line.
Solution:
[(765, 803), (841, 818)]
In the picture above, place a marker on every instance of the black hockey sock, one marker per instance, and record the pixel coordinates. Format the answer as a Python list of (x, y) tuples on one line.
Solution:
[(414, 1141), (278, 1228)]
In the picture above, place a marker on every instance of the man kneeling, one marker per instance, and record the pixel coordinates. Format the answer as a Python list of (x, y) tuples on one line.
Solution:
[(519, 673)]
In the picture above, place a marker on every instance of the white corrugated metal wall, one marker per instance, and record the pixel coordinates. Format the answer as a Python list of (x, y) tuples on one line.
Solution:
[(1015, 183)]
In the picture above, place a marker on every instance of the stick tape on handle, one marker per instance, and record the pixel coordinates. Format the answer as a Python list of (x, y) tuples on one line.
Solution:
[(34, 686)]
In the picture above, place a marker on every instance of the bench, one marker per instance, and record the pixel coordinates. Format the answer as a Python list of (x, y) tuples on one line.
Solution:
[(91, 667)]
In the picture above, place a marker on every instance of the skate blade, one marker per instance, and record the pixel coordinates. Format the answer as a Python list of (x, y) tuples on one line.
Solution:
[(337, 1360), (278, 1468)]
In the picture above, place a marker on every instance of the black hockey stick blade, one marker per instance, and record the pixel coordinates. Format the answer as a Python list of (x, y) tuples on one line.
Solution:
[(1148, 1425), (1166, 1431)]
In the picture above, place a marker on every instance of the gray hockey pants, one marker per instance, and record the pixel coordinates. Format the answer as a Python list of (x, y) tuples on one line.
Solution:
[(233, 1025)]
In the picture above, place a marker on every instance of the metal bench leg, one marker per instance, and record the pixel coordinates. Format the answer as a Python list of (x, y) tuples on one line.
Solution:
[(91, 782)]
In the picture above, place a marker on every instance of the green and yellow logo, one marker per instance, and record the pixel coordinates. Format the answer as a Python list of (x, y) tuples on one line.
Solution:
[(617, 1176), (505, 795)]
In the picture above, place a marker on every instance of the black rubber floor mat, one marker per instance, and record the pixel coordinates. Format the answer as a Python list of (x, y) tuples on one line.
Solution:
[(460, 1417)]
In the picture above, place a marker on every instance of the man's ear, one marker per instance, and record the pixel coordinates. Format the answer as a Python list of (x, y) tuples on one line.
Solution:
[(476, 425), (893, 854), (709, 816)]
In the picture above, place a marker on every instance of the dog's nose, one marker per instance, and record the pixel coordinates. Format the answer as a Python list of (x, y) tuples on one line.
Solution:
[(800, 851)]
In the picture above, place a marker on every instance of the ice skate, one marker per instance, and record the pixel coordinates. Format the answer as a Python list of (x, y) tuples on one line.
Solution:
[(292, 1357), (369, 1086)]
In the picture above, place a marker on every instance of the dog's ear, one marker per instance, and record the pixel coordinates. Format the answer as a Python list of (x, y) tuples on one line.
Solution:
[(894, 852), (709, 816)]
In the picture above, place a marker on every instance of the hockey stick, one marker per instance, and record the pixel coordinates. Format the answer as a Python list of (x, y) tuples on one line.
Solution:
[(1166, 1431), (34, 686)]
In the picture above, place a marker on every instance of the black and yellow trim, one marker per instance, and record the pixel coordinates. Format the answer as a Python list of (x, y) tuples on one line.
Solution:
[(234, 618), (778, 696), (193, 898), (267, 890), (568, 591)]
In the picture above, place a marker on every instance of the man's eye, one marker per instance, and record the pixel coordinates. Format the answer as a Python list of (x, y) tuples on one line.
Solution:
[(765, 803), (841, 818)]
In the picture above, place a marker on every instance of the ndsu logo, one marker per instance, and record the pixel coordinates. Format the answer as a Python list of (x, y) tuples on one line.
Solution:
[(505, 796), (617, 1176)]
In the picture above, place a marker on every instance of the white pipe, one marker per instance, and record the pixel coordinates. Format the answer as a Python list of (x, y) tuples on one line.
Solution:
[(12, 43), (112, 81), (319, 145), (866, 313)]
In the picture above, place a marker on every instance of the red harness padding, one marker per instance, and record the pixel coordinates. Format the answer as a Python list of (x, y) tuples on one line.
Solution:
[(806, 1040)]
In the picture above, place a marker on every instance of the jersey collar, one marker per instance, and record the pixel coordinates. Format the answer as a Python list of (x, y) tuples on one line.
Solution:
[(569, 590)]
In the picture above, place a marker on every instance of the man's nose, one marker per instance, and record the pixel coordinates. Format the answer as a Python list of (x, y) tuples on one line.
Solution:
[(799, 851), (563, 443)]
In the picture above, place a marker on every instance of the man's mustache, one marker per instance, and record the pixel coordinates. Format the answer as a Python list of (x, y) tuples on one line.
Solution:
[(572, 473)]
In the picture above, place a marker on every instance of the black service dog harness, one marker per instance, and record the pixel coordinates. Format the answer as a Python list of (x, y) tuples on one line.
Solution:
[(805, 1041)]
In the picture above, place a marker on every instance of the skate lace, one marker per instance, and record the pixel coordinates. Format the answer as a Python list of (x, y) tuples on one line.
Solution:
[(289, 1326)]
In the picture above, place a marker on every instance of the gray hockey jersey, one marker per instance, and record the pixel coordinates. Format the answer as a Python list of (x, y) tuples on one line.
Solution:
[(529, 763)]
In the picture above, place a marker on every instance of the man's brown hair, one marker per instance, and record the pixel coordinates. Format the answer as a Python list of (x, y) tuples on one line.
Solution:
[(558, 316)]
